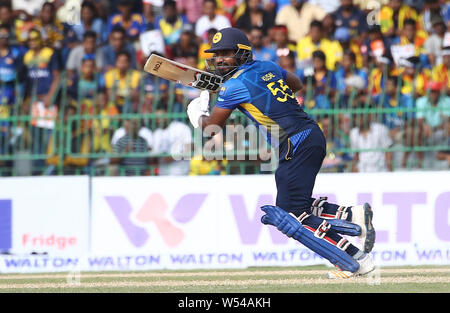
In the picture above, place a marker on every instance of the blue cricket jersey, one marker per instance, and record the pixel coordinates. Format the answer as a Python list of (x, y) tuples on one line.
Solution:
[(258, 89)]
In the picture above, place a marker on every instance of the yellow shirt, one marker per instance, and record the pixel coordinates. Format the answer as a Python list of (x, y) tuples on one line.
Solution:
[(419, 42), (355, 48), (332, 49), (202, 55), (387, 14), (375, 78), (421, 82), (53, 157), (200, 166), (122, 86), (441, 74)]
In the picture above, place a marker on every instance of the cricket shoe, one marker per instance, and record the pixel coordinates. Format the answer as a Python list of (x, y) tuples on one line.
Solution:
[(365, 266), (362, 215)]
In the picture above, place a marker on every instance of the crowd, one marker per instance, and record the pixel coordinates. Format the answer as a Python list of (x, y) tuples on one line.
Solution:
[(62, 59)]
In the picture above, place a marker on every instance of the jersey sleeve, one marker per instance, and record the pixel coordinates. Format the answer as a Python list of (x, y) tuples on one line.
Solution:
[(273, 66), (231, 94)]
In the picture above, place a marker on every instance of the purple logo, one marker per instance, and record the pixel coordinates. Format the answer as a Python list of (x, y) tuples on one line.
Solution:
[(156, 210), (5, 225)]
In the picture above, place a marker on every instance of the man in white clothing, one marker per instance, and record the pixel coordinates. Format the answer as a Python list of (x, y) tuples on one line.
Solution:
[(370, 135), (175, 140), (210, 20)]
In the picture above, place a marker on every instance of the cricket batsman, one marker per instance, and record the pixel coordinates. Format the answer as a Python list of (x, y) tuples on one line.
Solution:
[(265, 93)]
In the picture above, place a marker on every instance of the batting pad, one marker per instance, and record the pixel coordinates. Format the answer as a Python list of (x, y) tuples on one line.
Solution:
[(291, 227), (345, 228)]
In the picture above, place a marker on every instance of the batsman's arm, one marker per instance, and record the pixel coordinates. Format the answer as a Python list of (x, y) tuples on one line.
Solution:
[(218, 118), (294, 82)]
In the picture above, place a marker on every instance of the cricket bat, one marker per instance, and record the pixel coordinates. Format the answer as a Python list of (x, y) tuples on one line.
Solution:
[(182, 74)]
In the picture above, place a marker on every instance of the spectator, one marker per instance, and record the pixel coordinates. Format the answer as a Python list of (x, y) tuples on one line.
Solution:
[(156, 91), (230, 9), (7, 18), (11, 68), (316, 41), (202, 55), (10, 74), (432, 8), (20, 25), (117, 43), (287, 62), (342, 35), (350, 16), (412, 36), (401, 123), (414, 82), (378, 75), (281, 42), (254, 15), (86, 49), (132, 23), (104, 127), (185, 94), (144, 132), (319, 81), (441, 73), (83, 87), (404, 105), (90, 21), (446, 14), (261, 52), (368, 134), (175, 140), (192, 9), (79, 144), (42, 66), (151, 9), (329, 26), (55, 34), (298, 16), (199, 165), (210, 19), (375, 46), (335, 161), (132, 142), (434, 43), (185, 47), (393, 15), (122, 83), (349, 79), (433, 114), (171, 24), (41, 86)]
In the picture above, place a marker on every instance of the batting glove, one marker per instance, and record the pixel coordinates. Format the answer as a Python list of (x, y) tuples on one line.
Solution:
[(198, 107)]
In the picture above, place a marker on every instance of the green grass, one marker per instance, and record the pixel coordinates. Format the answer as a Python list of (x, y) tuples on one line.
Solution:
[(253, 280)]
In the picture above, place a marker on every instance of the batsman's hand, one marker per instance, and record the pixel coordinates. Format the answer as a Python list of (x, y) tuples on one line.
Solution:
[(198, 107)]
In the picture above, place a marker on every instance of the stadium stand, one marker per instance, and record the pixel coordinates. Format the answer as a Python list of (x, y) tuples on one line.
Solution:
[(75, 101)]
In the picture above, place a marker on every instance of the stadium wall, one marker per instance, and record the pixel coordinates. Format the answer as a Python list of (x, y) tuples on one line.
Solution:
[(207, 222)]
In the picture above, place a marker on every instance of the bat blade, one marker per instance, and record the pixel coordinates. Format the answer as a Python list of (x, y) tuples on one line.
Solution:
[(182, 74)]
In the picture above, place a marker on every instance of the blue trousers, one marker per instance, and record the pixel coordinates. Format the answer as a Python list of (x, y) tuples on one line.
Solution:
[(297, 170), (300, 160)]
